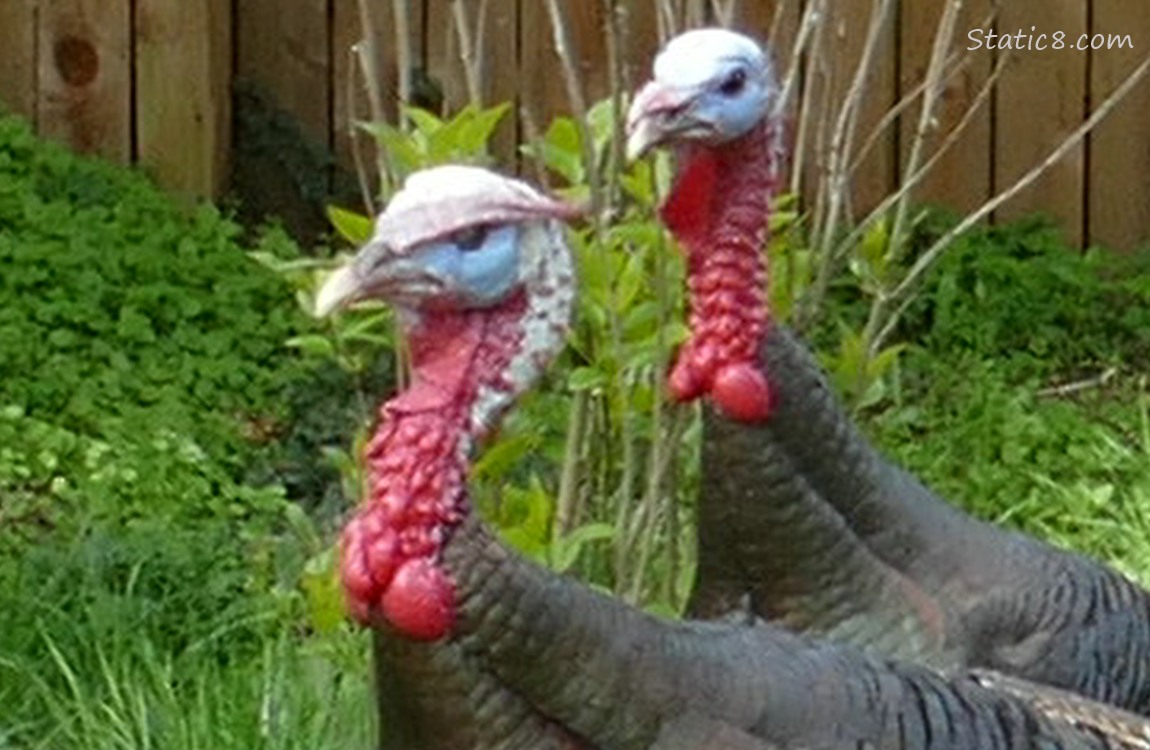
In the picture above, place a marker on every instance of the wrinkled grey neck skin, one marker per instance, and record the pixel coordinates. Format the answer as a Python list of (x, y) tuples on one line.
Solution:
[(617, 678), (802, 521)]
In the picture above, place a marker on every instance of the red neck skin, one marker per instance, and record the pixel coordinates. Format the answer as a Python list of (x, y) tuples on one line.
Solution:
[(718, 210), (417, 465)]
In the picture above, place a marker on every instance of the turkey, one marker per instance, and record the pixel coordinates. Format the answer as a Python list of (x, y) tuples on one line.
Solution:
[(479, 648), (801, 520)]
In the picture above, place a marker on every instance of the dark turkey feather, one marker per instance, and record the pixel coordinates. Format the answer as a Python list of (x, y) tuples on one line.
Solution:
[(995, 598)]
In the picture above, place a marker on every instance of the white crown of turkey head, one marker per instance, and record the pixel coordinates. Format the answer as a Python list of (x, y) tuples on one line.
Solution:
[(448, 238), (710, 85)]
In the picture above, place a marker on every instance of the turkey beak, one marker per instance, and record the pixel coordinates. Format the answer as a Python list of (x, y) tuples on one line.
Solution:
[(373, 272), (338, 291), (658, 114)]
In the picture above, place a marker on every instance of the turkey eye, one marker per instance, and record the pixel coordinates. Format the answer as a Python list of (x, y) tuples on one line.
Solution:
[(734, 83), (470, 239)]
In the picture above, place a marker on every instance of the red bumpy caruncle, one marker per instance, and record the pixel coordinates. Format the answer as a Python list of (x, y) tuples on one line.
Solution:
[(417, 465), (718, 210)]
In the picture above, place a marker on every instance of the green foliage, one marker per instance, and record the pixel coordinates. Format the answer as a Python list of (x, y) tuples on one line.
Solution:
[(150, 417), (1073, 471), (1018, 293), (117, 312), (1021, 399)]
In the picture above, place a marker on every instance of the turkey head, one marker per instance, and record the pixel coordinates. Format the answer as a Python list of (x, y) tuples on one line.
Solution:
[(478, 270), (710, 99)]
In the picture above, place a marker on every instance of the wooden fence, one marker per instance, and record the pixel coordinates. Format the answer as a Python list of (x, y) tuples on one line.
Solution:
[(151, 81)]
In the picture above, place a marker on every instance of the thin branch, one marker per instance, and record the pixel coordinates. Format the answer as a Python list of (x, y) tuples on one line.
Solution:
[(842, 141), (405, 57), (615, 19), (912, 181), (811, 25), (368, 53), (665, 17), (574, 84), (955, 63), (811, 17), (932, 93), (567, 502), (354, 133), (878, 328), (472, 63), (1067, 389)]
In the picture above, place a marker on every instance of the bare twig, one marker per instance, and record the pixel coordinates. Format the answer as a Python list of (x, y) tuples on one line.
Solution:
[(471, 40), (811, 18), (935, 81), (814, 26), (665, 20), (368, 53), (567, 501), (723, 12), (574, 83), (1067, 389), (615, 19), (405, 57), (955, 63), (881, 323), (912, 181), (354, 133), (837, 181)]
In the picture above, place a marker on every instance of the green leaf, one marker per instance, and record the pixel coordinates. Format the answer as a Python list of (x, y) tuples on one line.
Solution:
[(586, 379), (313, 345), (353, 227), (564, 551)]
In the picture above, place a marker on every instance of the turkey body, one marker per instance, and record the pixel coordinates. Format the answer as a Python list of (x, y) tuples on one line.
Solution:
[(967, 593), (801, 521), (479, 648)]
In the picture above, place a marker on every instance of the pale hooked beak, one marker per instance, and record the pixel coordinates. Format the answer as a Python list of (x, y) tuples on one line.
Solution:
[(376, 272), (659, 113), (339, 290)]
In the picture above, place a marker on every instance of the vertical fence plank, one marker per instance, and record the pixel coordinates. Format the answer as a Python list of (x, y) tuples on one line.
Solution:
[(875, 177), (84, 74), (18, 57), (493, 38), (182, 130), (282, 46), (961, 178), (503, 75), (540, 96), (444, 61), (1040, 99), (639, 31), (1118, 209)]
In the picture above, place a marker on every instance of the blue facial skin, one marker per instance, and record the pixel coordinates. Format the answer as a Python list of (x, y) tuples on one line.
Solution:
[(732, 102), (480, 267)]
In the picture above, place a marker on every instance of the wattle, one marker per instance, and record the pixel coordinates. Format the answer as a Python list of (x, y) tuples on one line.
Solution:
[(719, 211), (417, 464)]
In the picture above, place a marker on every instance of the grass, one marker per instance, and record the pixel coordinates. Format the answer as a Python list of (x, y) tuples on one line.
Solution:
[(296, 693)]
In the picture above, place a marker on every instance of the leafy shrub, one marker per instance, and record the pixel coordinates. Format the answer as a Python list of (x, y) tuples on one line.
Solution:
[(1017, 292), (1009, 316), (148, 410), (114, 303)]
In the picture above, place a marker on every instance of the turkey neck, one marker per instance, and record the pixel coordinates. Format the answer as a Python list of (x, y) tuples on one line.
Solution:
[(417, 464), (719, 211), (468, 367)]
